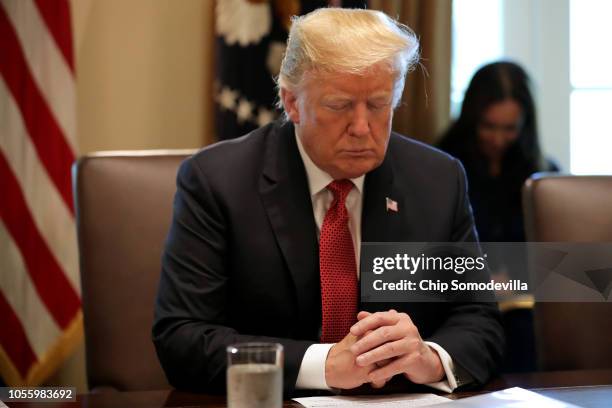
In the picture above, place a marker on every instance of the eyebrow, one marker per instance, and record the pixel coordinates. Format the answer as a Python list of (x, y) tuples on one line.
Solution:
[(336, 97), (380, 96), (341, 97)]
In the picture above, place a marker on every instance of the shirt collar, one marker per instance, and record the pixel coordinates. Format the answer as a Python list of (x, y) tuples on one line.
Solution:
[(317, 178)]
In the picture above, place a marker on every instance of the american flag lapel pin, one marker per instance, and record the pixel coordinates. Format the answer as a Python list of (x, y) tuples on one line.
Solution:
[(391, 205)]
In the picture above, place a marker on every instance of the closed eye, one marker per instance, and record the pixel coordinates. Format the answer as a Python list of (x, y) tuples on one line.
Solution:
[(379, 102), (338, 106), (377, 105)]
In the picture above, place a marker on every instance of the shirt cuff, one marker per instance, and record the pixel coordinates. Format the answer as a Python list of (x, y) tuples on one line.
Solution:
[(312, 370), (450, 383)]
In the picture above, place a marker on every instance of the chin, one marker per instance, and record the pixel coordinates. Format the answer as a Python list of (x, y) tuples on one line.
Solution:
[(354, 171)]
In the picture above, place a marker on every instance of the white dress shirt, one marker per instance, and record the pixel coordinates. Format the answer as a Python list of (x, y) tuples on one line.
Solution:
[(312, 369)]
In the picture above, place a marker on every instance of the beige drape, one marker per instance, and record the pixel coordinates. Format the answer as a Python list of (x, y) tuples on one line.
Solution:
[(425, 108)]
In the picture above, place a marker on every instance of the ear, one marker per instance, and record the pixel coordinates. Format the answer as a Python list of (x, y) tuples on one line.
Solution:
[(291, 105)]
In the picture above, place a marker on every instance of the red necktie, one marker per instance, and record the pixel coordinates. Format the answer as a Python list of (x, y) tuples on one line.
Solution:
[(337, 266)]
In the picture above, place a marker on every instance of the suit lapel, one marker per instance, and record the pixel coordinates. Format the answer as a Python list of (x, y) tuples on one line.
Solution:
[(286, 198), (379, 224)]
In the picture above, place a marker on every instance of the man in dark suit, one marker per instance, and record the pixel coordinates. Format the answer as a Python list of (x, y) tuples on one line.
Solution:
[(267, 229)]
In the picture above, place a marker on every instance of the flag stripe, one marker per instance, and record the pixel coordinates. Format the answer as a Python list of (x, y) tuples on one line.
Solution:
[(53, 150), (57, 16), (48, 67), (51, 284), (39, 282), (21, 295), (51, 216), (14, 340)]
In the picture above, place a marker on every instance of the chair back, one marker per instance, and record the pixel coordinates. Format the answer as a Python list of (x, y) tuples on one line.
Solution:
[(562, 208), (124, 207)]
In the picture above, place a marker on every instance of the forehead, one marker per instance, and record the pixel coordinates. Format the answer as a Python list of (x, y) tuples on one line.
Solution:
[(507, 110), (376, 81)]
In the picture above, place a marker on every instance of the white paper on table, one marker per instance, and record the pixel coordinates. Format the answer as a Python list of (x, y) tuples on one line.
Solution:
[(372, 401), (511, 397)]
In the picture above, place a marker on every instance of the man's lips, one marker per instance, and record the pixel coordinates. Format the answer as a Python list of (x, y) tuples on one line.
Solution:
[(358, 152)]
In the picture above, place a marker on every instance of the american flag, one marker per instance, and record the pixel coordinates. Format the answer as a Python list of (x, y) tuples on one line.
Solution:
[(40, 317), (391, 204)]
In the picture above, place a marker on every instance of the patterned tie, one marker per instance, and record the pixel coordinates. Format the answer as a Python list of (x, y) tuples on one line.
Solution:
[(337, 265)]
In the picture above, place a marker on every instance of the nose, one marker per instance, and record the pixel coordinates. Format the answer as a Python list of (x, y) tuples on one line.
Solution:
[(497, 142), (359, 125), (500, 140)]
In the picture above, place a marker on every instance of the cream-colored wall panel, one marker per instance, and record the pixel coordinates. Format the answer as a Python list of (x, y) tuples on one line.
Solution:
[(143, 73)]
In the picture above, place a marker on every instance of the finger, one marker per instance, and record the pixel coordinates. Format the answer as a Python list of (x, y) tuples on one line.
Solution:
[(383, 363), (382, 354), (374, 321), (385, 334), (375, 339), (379, 384), (363, 314), (398, 366)]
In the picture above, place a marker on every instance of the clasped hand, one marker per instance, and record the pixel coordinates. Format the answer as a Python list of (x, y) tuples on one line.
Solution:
[(379, 346)]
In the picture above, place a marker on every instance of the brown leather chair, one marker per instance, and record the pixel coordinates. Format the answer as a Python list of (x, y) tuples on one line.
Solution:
[(124, 207), (571, 209)]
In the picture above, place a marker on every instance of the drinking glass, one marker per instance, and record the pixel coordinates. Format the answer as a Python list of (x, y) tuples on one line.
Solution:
[(255, 375)]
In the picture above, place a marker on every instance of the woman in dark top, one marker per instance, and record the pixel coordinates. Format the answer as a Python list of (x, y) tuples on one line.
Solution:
[(496, 139)]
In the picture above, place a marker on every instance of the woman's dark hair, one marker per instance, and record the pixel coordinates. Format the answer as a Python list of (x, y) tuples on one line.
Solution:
[(494, 83)]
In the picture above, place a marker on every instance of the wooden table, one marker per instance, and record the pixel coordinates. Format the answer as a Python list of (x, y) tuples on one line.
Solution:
[(563, 385)]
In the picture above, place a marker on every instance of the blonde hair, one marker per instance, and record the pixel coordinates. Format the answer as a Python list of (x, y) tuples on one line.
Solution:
[(336, 40)]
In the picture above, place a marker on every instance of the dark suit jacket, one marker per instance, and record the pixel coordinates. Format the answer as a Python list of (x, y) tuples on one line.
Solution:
[(241, 259)]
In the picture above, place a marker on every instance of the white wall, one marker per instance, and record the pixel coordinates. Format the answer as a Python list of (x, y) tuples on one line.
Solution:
[(536, 34)]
